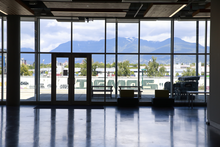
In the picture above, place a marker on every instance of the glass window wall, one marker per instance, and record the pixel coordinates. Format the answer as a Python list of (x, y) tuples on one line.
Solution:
[(110, 37), (55, 36), (155, 36), (5, 34), (89, 37), (98, 79), (110, 76), (27, 61), (45, 77), (3, 58), (201, 36), (183, 68), (27, 77), (155, 50), (185, 37), (154, 74), (127, 74), (127, 37), (208, 36), (27, 36), (4, 75)]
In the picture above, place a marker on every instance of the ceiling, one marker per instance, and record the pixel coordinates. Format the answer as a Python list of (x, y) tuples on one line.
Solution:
[(129, 9)]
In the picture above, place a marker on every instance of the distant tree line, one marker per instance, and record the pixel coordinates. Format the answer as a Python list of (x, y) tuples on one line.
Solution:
[(153, 68)]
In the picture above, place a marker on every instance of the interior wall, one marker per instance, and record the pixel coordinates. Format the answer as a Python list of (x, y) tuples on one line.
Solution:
[(214, 100)]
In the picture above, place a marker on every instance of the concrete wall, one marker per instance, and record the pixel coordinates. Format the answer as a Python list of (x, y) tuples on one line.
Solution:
[(214, 100)]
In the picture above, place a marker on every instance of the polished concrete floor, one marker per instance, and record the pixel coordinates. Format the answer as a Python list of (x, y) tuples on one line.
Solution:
[(143, 126)]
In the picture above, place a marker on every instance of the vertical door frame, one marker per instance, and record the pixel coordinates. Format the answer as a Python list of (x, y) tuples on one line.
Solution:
[(71, 78)]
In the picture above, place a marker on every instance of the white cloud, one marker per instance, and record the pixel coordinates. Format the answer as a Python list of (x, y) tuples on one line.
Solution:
[(27, 41), (160, 37), (94, 30), (54, 33), (186, 30), (50, 47), (128, 30), (191, 39), (27, 35), (54, 23), (155, 30), (50, 41)]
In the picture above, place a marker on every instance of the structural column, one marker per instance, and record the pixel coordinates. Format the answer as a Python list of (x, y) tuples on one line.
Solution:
[(13, 61), (214, 99)]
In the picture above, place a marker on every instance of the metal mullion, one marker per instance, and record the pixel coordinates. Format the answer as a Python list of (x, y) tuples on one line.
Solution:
[(71, 76), (2, 51), (71, 36), (105, 67), (188, 54), (37, 60), (139, 59), (143, 53), (197, 47), (205, 59), (71, 69), (71, 66), (172, 57), (116, 58)]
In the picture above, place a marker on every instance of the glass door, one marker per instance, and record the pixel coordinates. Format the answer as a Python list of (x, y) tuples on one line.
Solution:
[(70, 80), (80, 78)]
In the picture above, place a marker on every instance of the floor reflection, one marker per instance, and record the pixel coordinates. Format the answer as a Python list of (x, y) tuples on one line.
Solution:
[(12, 126), (111, 126)]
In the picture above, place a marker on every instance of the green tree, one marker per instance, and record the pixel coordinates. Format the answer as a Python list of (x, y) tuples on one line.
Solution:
[(143, 64), (162, 71), (108, 65), (189, 72), (133, 66), (83, 69), (153, 68), (192, 64), (31, 66), (100, 65), (77, 65), (123, 68), (177, 74), (42, 65), (94, 66), (113, 64), (24, 70)]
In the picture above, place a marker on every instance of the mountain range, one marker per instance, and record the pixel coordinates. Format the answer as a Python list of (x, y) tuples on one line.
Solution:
[(125, 45)]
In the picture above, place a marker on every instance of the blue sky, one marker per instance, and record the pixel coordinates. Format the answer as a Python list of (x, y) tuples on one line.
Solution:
[(54, 33)]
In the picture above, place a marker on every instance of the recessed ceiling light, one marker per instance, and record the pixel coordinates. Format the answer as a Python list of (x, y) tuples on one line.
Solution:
[(178, 10), (3, 12)]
